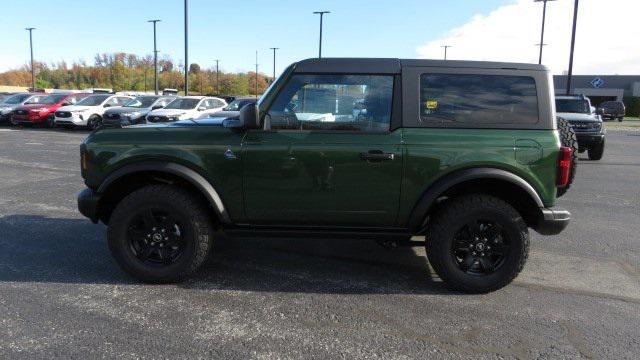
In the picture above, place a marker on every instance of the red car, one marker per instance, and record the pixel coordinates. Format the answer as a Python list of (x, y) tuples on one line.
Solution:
[(41, 112)]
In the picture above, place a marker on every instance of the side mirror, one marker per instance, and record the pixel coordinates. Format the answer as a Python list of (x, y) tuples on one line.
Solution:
[(66, 104), (107, 105), (202, 108), (249, 117), (156, 107)]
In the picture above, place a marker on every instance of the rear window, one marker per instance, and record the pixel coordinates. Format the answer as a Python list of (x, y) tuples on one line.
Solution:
[(469, 99)]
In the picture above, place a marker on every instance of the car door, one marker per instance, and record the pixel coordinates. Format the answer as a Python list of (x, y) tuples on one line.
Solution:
[(315, 163)]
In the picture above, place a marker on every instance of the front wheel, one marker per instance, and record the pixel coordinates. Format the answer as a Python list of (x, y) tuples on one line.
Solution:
[(596, 152), (620, 118), (51, 123), (94, 122), (477, 243), (160, 234)]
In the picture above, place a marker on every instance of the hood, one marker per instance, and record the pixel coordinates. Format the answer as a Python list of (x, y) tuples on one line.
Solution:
[(36, 106), (225, 114), (126, 110), (579, 117), (168, 112), (74, 108)]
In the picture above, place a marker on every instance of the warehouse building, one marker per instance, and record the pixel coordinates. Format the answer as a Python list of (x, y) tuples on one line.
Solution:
[(601, 88)]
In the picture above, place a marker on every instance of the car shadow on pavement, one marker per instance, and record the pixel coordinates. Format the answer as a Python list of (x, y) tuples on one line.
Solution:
[(42, 249)]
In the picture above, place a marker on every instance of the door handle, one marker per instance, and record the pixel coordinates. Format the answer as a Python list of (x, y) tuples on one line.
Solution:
[(376, 155)]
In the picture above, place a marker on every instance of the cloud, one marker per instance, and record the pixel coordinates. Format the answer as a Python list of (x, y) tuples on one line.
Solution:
[(607, 38)]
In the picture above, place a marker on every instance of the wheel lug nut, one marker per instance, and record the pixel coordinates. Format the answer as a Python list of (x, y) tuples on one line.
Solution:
[(473, 253), (481, 254)]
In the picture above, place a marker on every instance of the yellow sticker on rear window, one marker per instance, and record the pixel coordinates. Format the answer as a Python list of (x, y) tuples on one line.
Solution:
[(431, 104)]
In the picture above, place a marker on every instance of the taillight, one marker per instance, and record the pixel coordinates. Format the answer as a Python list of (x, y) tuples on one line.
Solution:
[(564, 166)]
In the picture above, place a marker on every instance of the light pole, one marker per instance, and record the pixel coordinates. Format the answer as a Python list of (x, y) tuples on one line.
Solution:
[(155, 58), (33, 71), (186, 48), (217, 78), (274, 61), (544, 14), (445, 50), (321, 13), (256, 74), (573, 43)]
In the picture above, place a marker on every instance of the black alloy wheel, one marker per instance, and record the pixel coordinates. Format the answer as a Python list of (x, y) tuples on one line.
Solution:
[(480, 247), (155, 237)]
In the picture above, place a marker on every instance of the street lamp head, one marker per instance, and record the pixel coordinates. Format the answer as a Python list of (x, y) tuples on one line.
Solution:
[(154, 21), (542, 0), (322, 12), (30, 28)]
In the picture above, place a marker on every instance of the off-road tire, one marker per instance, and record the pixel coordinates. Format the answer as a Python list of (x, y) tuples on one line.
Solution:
[(451, 218), (596, 152), (198, 229), (568, 138)]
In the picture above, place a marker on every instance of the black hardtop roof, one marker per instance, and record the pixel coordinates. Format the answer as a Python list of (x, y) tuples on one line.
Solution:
[(393, 66)]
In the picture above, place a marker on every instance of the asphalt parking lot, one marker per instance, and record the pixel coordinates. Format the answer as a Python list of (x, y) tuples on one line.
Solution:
[(62, 295)]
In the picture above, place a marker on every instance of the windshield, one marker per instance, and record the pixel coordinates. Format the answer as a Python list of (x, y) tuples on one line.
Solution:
[(17, 99), (572, 106), (141, 102), (184, 104), (93, 100), (236, 105), (47, 100)]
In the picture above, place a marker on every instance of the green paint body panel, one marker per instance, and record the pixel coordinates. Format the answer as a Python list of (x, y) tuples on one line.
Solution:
[(318, 178)]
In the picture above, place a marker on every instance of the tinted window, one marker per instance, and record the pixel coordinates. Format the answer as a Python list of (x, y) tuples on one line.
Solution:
[(334, 102), (573, 106), (93, 100), (17, 99), (184, 104), (467, 99)]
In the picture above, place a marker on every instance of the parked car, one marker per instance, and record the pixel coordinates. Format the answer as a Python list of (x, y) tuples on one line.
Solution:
[(587, 124), (88, 111), (611, 110), (187, 107), (41, 112), (474, 178), (232, 111), (12, 102), (134, 111)]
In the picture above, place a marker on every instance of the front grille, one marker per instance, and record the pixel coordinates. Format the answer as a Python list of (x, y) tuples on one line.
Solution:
[(22, 112), (158, 118), (63, 114), (579, 126)]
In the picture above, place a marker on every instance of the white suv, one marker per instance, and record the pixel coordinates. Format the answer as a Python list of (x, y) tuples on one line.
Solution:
[(88, 111), (187, 107)]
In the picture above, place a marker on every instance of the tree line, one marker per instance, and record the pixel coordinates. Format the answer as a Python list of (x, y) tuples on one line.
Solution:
[(130, 72)]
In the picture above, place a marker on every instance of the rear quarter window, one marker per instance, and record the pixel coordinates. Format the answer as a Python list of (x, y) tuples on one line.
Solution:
[(468, 100)]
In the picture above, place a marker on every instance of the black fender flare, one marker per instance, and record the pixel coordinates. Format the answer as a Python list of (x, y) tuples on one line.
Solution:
[(440, 186), (182, 171)]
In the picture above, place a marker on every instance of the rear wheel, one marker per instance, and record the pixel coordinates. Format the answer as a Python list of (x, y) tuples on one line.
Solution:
[(568, 138), (477, 243), (596, 152), (160, 234)]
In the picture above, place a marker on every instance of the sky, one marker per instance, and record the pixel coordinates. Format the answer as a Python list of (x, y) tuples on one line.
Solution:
[(232, 31)]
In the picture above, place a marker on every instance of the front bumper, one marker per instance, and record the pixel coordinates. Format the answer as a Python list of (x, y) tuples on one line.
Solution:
[(552, 221), (88, 204), (74, 120), (586, 140)]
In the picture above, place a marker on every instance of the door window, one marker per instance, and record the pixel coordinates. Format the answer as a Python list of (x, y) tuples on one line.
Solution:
[(359, 103)]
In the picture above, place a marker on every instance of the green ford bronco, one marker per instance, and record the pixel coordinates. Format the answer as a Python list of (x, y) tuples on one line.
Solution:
[(466, 154)]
